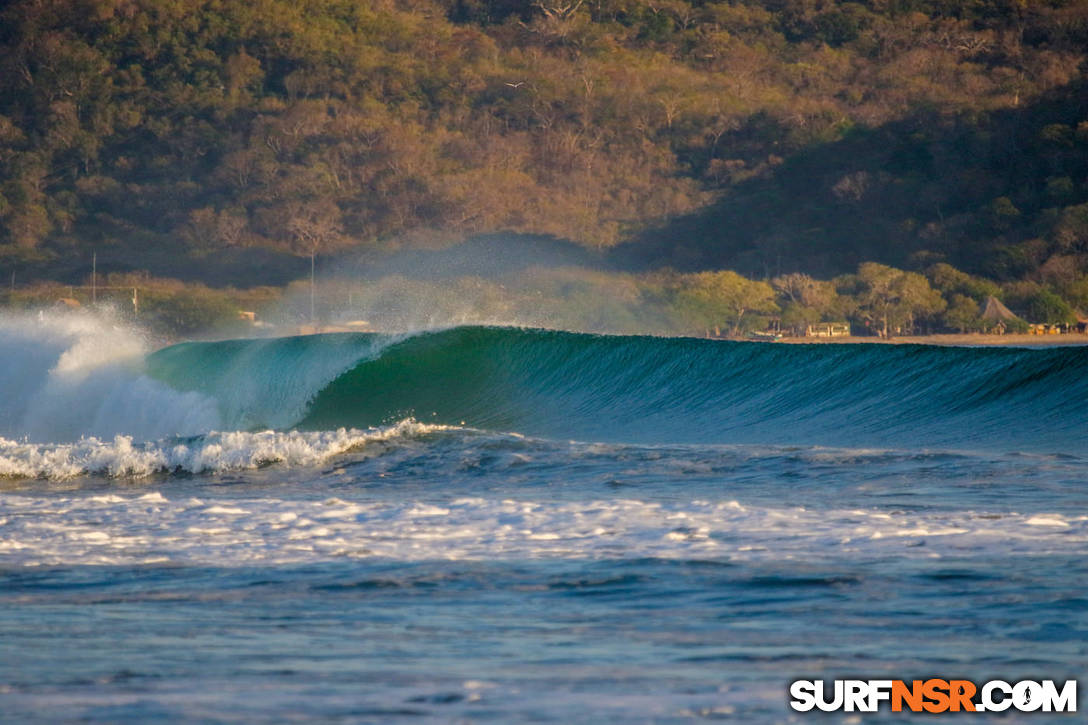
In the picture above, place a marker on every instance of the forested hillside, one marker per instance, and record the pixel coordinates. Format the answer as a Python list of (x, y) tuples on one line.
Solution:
[(767, 136)]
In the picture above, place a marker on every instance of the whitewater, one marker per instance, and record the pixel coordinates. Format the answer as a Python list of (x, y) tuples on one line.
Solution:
[(510, 524)]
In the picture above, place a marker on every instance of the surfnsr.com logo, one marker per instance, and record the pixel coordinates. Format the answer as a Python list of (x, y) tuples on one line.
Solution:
[(933, 695)]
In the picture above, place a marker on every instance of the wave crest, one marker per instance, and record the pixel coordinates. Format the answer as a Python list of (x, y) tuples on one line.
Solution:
[(211, 453)]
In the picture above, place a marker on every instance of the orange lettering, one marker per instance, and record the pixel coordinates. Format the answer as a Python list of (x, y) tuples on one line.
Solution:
[(912, 695), (937, 692), (961, 692)]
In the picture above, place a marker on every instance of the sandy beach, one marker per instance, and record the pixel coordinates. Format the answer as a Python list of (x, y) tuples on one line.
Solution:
[(965, 340)]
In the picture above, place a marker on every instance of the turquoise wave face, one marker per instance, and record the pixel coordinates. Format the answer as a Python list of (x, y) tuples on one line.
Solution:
[(649, 389), (266, 383)]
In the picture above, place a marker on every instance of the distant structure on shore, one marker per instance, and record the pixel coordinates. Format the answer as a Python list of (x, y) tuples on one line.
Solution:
[(998, 314), (828, 329)]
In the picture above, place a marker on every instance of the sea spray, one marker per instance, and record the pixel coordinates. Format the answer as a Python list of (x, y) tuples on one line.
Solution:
[(74, 374)]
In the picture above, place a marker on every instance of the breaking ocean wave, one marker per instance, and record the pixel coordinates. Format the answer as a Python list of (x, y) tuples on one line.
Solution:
[(72, 377)]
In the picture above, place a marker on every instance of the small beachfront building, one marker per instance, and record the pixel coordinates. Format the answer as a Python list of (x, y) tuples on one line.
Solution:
[(828, 329)]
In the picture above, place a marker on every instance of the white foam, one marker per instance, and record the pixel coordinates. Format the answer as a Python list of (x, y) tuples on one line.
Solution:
[(75, 529), (214, 452), (1057, 521), (73, 374)]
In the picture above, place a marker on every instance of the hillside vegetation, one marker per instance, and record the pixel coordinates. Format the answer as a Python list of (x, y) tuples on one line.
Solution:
[(217, 139)]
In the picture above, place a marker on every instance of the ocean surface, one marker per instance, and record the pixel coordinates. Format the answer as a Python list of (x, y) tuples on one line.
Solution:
[(502, 525)]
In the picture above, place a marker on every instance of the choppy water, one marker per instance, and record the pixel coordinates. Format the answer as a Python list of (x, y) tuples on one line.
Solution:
[(509, 525)]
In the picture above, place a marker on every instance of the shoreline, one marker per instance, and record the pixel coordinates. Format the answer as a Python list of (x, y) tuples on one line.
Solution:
[(949, 340), (938, 340)]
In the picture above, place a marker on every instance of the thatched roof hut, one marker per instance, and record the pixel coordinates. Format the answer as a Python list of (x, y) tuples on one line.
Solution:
[(997, 312)]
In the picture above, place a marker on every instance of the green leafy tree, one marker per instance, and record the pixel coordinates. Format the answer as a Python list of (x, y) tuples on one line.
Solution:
[(725, 299), (962, 314), (951, 281), (805, 301), (894, 299)]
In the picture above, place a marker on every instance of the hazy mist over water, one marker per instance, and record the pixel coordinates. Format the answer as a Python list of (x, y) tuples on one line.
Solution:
[(495, 280)]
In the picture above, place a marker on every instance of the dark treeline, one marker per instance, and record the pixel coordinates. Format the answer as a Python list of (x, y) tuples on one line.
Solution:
[(766, 136)]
